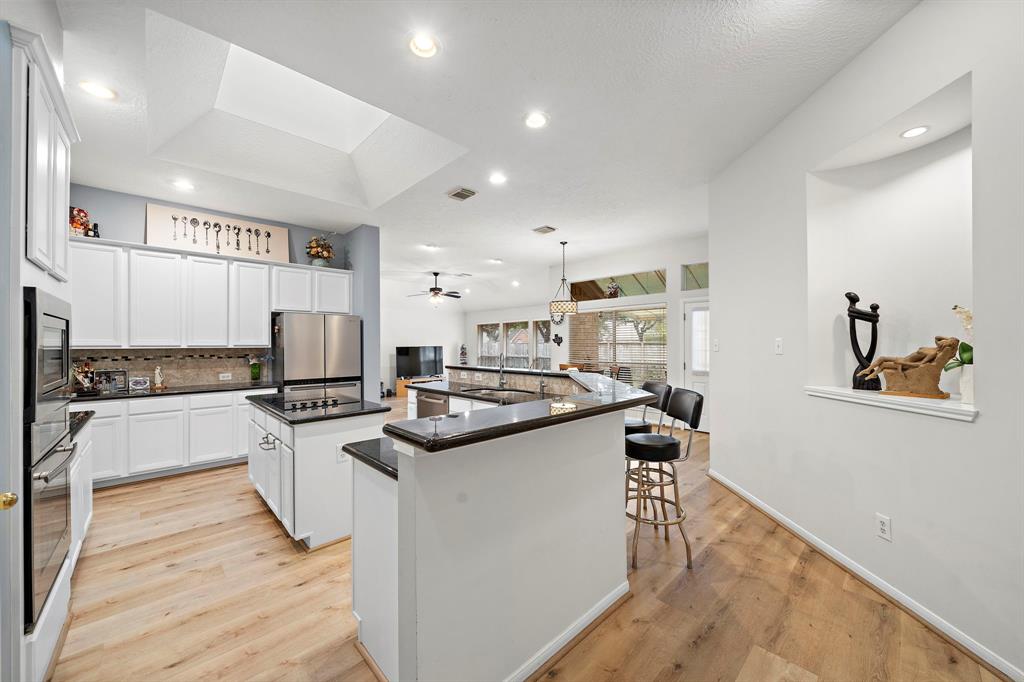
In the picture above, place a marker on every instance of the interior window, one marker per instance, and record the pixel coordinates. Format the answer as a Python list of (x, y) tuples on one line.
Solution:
[(620, 286), (695, 276)]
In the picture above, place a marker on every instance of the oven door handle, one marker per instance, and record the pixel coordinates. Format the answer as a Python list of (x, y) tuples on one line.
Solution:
[(45, 476)]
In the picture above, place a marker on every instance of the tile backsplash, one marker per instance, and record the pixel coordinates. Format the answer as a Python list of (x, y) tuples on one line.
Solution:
[(181, 366)]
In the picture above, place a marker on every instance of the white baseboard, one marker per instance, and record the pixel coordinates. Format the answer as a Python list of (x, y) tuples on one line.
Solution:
[(553, 647), (936, 622)]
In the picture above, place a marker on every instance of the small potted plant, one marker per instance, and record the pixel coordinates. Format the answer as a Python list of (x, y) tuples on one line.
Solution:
[(965, 355), (320, 250)]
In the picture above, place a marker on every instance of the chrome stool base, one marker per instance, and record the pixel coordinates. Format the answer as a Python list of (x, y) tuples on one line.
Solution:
[(645, 486)]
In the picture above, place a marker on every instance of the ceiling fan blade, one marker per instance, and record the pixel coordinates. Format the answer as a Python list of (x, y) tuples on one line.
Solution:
[(415, 295), (452, 294)]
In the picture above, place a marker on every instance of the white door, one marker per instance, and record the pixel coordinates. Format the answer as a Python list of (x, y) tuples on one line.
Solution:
[(250, 304), (291, 289), (697, 355), (156, 441), (155, 293), (211, 433), (332, 292), (99, 296), (206, 309)]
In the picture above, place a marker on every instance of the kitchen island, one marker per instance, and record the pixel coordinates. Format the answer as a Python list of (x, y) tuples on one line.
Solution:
[(297, 465), (484, 541)]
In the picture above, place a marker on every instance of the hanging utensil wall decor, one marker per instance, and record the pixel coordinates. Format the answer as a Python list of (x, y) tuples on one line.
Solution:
[(163, 219)]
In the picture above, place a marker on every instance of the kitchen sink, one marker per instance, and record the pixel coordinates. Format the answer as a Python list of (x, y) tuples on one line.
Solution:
[(500, 393)]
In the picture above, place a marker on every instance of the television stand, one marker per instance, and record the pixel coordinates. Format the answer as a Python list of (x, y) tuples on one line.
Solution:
[(402, 385)]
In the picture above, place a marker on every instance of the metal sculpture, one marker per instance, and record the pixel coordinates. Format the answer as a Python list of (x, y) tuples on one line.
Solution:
[(863, 359)]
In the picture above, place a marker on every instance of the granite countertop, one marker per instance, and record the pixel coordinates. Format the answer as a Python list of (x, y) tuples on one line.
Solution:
[(275, 405), (178, 390), (513, 370), (455, 430), (466, 390), (78, 420), (378, 453)]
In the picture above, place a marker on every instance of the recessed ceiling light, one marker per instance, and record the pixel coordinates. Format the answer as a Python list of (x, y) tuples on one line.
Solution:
[(494, 261), (536, 119), (914, 132), (97, 90), (465, 291), (184, 185), (423, 45), (515, 283), (498, 178), (430, 247)]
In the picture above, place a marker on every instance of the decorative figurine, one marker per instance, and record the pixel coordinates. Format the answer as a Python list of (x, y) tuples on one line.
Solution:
[(463, 355), (158, 375), (557, 338), (917, 374), (863, 360)]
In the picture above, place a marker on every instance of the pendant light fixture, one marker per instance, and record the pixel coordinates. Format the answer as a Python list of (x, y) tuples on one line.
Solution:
[(563, 303)]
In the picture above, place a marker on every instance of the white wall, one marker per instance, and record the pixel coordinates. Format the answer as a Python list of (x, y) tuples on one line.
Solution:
[(670, 255), (897, 232), (414, 322), (953, 489), (42, 17)]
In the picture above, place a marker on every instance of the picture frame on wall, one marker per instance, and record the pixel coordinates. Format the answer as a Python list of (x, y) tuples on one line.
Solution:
[(210, 234)]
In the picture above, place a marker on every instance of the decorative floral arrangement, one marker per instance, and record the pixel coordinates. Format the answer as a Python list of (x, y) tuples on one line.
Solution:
[(78, 220), (965, 354), (320, 247)]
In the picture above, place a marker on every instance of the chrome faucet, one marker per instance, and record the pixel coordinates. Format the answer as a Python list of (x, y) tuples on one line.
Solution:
[(501, 371)]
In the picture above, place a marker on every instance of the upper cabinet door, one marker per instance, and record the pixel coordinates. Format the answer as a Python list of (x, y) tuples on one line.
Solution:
[(41, 122), (250, 305), (60, 198), (98, 312), (332, 292), (292, 289), (155, 295), (206, 309)]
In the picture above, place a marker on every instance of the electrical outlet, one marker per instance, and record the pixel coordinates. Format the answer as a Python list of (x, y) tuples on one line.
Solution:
[(342, 455), (224, 376), (883, 527), (714, 345), (477, 376), (463, 375), (778, 346)]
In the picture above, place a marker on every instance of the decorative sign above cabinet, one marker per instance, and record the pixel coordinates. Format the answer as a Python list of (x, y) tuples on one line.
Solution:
[(186, 230)]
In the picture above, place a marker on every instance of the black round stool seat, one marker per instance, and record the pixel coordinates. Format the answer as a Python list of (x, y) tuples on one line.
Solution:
[(652, 447), (638, 426)]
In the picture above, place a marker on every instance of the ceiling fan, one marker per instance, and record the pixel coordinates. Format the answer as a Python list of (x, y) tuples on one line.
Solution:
[(436, 293)]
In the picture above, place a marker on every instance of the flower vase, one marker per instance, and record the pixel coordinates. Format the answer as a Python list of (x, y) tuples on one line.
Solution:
[(319, 262), (967, 384)]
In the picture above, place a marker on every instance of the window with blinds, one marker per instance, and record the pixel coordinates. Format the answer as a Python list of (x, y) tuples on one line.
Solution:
[(631, 344)]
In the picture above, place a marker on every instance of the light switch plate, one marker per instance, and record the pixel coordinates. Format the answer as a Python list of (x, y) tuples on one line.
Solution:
[(778, 345), (463, 375), (714, 345)]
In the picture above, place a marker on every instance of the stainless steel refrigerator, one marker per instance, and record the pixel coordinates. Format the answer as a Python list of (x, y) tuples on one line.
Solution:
[(312, 350)]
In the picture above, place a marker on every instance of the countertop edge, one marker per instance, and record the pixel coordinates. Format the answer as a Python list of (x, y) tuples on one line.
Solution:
[(512, 428), (284, 416), (370, 461), (190, 390)]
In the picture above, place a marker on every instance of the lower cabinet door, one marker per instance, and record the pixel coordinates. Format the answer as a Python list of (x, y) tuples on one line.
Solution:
[(243, 417), (155, 441), (251, 449), (258, 457), (287, 488), (77, 510), (273, 462), (211, 433), (109, 450)]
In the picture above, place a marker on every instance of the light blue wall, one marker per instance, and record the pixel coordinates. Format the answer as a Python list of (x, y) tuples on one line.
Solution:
[(364, 251), (122, 217)]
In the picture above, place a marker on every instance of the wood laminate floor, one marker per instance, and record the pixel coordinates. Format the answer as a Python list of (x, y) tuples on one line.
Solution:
[(190, 578)]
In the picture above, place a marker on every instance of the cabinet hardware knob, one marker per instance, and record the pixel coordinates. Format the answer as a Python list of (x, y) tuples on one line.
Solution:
[(8, 500)]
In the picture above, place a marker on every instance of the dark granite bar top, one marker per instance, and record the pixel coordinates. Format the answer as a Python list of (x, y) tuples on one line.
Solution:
[(455, 430), (469, 391), (78, 420), (178, 390), (275, 405), (378, 453), (514, 370)]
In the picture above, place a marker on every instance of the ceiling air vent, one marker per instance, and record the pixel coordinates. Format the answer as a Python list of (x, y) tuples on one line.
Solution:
[(461, 193), (544, 229)]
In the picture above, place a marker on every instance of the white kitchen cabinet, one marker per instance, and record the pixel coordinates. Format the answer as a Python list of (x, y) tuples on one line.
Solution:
[(410, 405), (99, 297), (206, 308), (80, 484), (156, 434), (155, 295), (211, 427), (272, 476), (249, 309), (287, 511), (243, 415), (291, 289), (459, 405), (39, 234), (258, 458), (109, 452), (60, 198), (332, 291)]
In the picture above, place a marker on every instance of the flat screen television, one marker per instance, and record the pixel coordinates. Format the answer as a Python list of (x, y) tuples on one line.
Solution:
[(418, 361)]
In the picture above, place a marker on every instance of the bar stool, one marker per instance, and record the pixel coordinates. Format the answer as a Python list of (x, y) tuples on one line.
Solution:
[(651, 451), (663, 391)]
